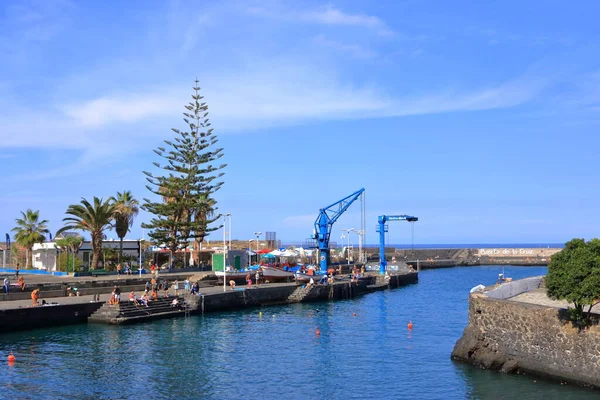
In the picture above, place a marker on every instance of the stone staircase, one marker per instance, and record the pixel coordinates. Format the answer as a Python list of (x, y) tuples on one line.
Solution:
[(129, 312), (299, 294)]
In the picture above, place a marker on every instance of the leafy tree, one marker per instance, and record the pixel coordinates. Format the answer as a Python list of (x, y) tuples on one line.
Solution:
[(574, 275), (70, 244), (29, 231), (126, 208), (190, 179), (93, 218)]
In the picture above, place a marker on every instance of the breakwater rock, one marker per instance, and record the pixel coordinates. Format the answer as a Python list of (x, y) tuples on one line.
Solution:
[(515, 337)]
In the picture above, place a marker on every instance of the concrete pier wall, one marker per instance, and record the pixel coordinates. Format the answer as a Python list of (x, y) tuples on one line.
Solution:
[(18, 319), (516, 337)]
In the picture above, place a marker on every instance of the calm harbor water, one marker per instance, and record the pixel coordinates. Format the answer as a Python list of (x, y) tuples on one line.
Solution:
[(234, 355)]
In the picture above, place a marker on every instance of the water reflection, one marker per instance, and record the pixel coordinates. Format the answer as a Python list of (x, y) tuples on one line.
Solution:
[(234, 355)]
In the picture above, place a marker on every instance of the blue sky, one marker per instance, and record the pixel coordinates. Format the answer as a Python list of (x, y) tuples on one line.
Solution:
[(481, 119)]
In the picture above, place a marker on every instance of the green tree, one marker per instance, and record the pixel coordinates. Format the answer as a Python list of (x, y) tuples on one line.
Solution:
[(126, 208), (204, 213), (188, 182), (70, 244), (29, 231), (93, 218), (574, 275)]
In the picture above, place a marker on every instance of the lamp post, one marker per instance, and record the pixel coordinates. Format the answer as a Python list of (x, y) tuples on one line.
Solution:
[(225, 250), (257, 234), (360, 234), (249, 251), (140, 265), (348, 234)]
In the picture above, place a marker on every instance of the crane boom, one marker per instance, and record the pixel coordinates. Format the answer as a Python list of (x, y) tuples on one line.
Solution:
[(326, 219), (382, 220)]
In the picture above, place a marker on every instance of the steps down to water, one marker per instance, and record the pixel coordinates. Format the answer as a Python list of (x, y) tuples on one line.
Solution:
[(299, 294), (129, 312)]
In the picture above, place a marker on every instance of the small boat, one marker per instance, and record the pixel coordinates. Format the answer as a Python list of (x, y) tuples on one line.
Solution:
[(302, 277), (273, 274), (238, 276)]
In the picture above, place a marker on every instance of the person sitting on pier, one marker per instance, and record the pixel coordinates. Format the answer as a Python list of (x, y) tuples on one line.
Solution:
[(175, 302), (195, 288), (133, 299), (323, 280), (34, 296), (145, 299), (387, 277), (154, 295), (232, 284), (21, 283)]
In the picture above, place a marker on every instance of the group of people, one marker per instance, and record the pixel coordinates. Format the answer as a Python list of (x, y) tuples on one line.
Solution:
[(143, 300), (115, 296), (126, 271), (20, 283), (356, 274)]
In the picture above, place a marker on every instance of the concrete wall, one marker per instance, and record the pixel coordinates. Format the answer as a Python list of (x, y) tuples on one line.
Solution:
[(518, 337), (515, 288), (46, 316)]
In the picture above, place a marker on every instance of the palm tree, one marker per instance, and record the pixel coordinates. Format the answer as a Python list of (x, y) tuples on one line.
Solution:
[(29, 231), (93, 219), (126, 208), (70, 244)]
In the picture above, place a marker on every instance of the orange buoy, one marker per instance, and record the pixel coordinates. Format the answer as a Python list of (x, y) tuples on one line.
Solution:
[(410, 325), (11, 357), (318, 332)]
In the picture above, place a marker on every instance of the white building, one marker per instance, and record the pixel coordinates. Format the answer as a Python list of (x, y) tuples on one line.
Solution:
[(44, 256)]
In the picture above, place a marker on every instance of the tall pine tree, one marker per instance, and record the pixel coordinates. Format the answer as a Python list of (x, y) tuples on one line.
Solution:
[(189, 179)]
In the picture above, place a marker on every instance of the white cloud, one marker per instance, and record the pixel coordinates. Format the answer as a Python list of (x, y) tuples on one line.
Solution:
[(327, 15), (354, 50), (261, 98), (122, 108)]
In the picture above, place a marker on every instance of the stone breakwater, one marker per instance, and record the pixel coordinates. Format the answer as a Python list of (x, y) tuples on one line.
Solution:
[(437, 258), (515, 337)]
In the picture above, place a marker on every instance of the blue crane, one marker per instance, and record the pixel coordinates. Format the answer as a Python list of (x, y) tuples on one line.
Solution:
[(383, 229), (326, 219)]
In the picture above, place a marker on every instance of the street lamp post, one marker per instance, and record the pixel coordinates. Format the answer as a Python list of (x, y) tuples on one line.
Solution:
[(360, 234), (140, 264), (257, 234), (343, 236), (249, 252), (225, 250)]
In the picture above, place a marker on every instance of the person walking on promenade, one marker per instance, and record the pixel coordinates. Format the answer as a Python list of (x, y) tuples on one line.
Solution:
[(6, 285), (17, 271), (249, 280), (119, 270)]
